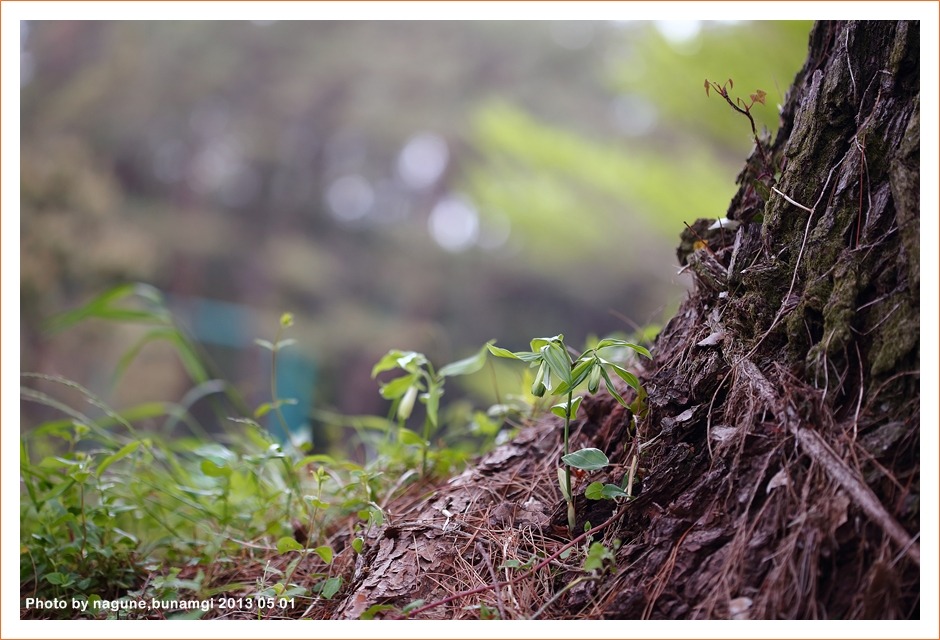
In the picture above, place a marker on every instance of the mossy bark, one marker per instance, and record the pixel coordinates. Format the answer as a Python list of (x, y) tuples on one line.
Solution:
[(807, 417)]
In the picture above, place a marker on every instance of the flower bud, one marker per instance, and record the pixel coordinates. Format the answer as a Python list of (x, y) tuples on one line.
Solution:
[(407, 402)]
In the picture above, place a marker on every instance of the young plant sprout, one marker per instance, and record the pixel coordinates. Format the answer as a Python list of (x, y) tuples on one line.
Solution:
[(559, 375), (421, 382)]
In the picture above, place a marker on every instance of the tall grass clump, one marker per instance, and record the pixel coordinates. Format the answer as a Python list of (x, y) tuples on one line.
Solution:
[(116, 504)]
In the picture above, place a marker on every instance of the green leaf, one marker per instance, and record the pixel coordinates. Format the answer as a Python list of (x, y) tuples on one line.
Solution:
[(322, 458), (188, 356), (325, 553), (594, 491), (562, 408), (329, 587), (184, 349), (600, 491), (613, 342), (586, 459), (432, 400), (263, 409), (57, 578), (611, 388), (357, 544), (581, 371), (56, 462), (317, 502), (468, 365), (638, 406), (125, 451), (410, 438), (369, 614), (537, 343), (411, 606), (579, 374), (80, 475), (525, 356), (558, 362), (499, 352), (397, 387), (597, 555), (214, 470), (100, 308), (625, 375), (410, 361), (287, 543), (287, 342), (264, 344)]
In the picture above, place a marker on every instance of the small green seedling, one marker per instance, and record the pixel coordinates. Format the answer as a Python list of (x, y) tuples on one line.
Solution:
[(559, 375), (421, 382), (286, 322)]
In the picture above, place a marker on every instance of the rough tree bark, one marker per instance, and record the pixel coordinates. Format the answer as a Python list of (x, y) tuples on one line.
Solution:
[(783, 481)]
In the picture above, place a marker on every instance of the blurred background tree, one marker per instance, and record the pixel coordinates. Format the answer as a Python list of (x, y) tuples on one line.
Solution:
[(416, 185)]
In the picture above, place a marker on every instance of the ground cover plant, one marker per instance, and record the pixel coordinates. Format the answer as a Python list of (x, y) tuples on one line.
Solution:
[(147, 505)]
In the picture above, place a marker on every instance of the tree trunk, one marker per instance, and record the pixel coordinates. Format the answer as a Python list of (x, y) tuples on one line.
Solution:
[(782, 478)]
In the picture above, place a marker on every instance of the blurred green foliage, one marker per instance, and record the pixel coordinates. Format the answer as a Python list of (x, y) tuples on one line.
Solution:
[(756, 55), (261, 164)]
